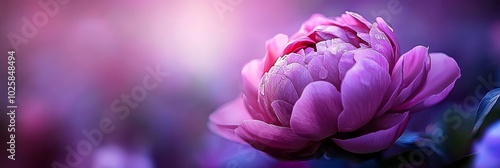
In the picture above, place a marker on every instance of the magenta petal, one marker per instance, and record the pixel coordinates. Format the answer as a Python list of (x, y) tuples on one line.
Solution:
[(322, 33), (251, 74), (379, 42), (316, 68), (345, 64), (299, 76), (377, 135), (321, 69), (278, 87), (355, 22), (283, 111), (275, 87), (316, 112), (231, 113), (434, 99), (414, 66), (364, 53), (262, 135), (440, 79), (382, 25), (225, 132), (308, 26), (295, 58), (227, 118), (298, 44), (362, 91), (408, 76), (334, 47), (391, 93), (330, 63), (412, 63), (332, 51), (274, 49)]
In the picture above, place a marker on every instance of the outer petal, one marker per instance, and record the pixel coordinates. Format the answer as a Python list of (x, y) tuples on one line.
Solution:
[(382, 25), (391, 93), (355, 22), (377, 135), (308, 26), (231, 114), (362, 91), (316, 112), (274, 50), (262, 135), (227, 118), (251, 75), (225, 132), (440, 79), (432, 100), (408, 76), (297, 44), (414, 66), (379, 42)]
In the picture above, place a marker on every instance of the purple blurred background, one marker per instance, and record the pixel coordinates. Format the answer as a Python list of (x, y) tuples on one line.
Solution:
[(89, 53)]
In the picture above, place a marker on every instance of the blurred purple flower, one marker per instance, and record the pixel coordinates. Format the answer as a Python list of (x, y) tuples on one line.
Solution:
[(112, 156), (340, 80), (488, 149)]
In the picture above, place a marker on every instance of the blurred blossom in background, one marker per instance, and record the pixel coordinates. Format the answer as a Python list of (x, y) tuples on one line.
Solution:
[(488, 149), (91, 53)]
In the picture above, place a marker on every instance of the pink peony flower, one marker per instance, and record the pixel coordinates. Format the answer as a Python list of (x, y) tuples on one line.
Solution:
[(340, 80)]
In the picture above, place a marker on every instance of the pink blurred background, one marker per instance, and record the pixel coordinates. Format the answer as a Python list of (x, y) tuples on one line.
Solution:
[(90, 53)]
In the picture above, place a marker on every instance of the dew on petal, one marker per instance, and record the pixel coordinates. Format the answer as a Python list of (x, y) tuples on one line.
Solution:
[(377, 47), (262, 87), (323, 73)]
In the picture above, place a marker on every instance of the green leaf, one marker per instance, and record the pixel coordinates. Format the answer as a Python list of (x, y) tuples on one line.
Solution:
[(485, 106)]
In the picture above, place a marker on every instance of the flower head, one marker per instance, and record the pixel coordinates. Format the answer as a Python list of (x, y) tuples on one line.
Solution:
[(341, 80)]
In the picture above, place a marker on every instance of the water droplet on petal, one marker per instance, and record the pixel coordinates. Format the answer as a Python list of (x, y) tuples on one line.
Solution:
[(323, 73), (262, 90), (262, 87)]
